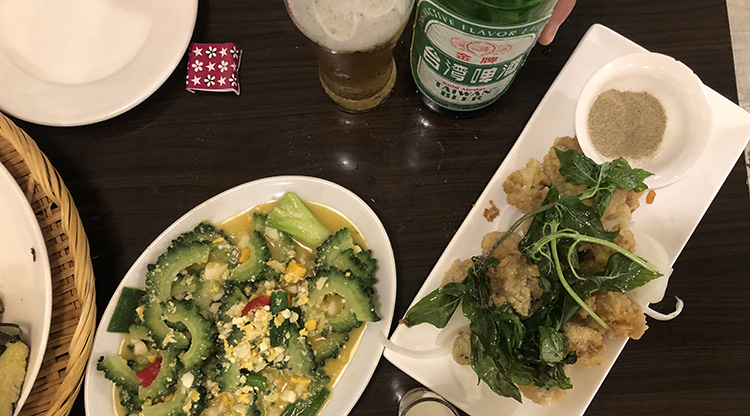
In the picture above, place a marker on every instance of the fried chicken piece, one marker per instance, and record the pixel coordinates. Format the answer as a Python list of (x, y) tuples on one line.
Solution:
[(457, 272), (618, 310), (515, 279), (541, 395), (621, 208), (594, 257), (587, 343), (551, 166), (462, 348), (527, 187), (510, 245)]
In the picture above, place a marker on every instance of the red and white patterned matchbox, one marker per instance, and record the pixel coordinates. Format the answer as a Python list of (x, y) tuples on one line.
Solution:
[(213, 67)]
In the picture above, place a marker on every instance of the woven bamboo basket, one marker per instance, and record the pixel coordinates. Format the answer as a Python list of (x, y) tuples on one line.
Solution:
[(73, 294)]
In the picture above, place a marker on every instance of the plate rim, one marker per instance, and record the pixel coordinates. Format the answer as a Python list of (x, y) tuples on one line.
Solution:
[(44, 117), (43, 257), (386, 273)]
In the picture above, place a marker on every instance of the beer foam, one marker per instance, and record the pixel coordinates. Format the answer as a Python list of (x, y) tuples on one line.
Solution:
[(350, 25)]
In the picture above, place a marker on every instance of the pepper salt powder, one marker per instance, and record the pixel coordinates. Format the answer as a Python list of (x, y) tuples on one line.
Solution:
[(627, 124)]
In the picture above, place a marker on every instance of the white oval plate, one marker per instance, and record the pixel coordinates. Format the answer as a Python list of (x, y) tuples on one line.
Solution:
[(681, 93), (98, 390), (25, 276), (77, 62)]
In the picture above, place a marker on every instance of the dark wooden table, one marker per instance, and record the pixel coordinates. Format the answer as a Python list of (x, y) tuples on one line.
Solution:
[(134, 175)]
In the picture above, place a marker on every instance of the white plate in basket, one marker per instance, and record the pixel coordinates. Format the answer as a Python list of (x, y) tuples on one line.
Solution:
[(673, 216), (351, 384), (77, 62), (25, 276)]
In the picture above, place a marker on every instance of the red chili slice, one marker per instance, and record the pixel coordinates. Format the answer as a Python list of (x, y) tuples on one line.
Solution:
[(264, 300), (148, 374)]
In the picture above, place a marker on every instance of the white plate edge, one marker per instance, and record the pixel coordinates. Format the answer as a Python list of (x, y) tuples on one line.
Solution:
[(290, 180), (43, 257)]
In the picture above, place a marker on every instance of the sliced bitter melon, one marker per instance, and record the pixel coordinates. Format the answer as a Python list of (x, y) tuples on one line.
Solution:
[(303, 360), (161, 275), (232, 296), (164, 336), (328, 347), (202, 332), (254, 268), (344, 321), (223, 250), (165, 380), (357, 298), (117, 370), (337, 252), (186, 401)]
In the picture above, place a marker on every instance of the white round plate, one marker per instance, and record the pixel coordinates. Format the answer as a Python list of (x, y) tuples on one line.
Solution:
[(684, 100), (77, 62), (98, 390), (25, 276)]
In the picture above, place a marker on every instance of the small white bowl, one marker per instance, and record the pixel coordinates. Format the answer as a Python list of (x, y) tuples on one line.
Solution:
[(684, 100)]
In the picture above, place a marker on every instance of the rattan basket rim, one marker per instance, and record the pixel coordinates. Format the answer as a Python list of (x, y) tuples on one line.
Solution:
[(72, 246)]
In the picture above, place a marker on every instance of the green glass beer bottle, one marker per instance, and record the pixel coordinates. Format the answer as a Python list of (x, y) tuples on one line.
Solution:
[(466, 53)]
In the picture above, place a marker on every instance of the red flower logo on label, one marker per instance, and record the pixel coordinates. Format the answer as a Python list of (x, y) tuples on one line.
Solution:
[(480, 48), (458, 43)]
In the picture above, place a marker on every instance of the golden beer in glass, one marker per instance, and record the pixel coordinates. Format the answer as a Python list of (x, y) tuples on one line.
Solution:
[(354, 41)]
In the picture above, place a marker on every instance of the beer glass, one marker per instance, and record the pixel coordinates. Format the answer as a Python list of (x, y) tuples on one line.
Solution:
[(354, 41)]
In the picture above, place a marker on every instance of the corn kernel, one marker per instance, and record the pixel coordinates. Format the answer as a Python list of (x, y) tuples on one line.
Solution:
[(195, 396), (294, 272), (244, 398), (152, 358), (299, 380), (311, 325), (245, 255), (218, 240)]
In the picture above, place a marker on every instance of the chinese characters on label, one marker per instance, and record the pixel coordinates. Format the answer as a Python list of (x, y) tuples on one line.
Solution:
[(463, 65)]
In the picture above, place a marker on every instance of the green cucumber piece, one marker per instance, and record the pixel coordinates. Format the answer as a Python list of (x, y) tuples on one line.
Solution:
[(278, 334), (286, 248), (291, 216), (308, 407), (124, 314)]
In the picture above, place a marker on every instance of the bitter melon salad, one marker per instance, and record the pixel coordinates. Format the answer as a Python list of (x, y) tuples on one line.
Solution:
[(257, 316)]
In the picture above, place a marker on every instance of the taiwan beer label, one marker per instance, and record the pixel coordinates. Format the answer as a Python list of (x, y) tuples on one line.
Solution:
[(463, 65)]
